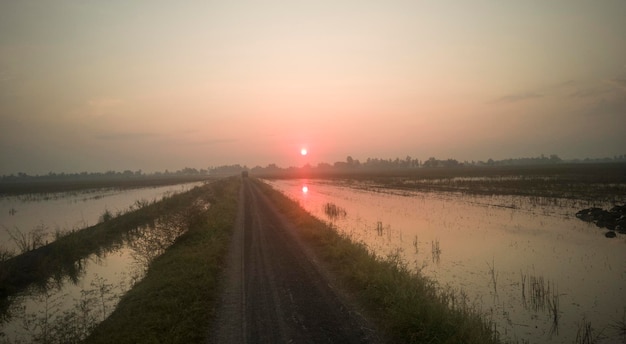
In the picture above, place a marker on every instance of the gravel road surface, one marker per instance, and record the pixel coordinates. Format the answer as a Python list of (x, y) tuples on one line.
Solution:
[(274, 291)]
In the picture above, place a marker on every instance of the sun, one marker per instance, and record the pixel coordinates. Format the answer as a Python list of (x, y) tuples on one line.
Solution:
[(303, 152)]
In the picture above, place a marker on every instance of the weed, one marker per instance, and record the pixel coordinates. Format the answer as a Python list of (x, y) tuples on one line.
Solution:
[(584, 335), (53, 324), (523, 284), (494, 276), (5, 254), (106, 216), (28, 241), (333, 211), (540, 294), (619, 326), (435, 251), (553, 308)]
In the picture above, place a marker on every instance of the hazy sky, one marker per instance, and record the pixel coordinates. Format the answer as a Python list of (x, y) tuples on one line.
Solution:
[(98, 85)]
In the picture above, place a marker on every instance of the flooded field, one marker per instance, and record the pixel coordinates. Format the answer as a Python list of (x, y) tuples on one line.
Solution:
[(527, 263), (67, 308), (64, 211)]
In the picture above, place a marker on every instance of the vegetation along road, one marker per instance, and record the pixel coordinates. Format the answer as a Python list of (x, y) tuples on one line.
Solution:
[(275, 290), (257, 268)]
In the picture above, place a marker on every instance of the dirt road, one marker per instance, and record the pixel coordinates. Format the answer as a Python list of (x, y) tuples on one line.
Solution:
[(274, 290)]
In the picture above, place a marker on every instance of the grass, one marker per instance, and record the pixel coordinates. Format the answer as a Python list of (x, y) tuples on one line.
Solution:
[(175, 301), (63, 257), (584, 335), (406, 306), (494, 276)]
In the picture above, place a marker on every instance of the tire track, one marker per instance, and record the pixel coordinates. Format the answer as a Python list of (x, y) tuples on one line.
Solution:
[(273, 291)]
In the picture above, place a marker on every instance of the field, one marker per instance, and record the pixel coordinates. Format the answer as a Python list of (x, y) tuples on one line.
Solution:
[(390, 292)]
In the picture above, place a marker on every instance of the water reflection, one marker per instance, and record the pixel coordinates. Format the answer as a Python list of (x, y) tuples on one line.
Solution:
[(67, 308), (527, 263), (67, 211), (80, 295)]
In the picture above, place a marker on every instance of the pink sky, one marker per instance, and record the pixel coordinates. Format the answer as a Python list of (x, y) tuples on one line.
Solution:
[(154, 85)]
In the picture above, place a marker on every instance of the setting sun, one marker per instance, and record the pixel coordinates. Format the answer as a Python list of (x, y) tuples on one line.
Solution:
[(303, 151)]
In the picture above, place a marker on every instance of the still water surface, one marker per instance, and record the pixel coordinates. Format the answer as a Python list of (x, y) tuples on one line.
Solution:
[(74, 306), (71, 210), (514, 257)]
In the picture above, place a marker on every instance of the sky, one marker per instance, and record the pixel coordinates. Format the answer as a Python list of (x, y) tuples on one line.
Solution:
[(148, 84)]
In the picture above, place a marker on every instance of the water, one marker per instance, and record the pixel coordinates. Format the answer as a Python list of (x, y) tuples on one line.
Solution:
[(71, 308), (502, 251), (65, 211)]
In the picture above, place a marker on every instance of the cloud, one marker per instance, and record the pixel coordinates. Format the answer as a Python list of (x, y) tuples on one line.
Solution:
[(588, 92), (512, 98), (126, 136)]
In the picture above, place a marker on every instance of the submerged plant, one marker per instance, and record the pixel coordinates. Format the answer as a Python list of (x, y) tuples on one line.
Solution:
[(494, 276), (379, 228), (54, 324), (334, 211), (584, 335), (553, 308), (435, 250), (619, 326)]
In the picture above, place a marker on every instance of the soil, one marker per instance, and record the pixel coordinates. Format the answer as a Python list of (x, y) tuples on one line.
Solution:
[(275, 290)]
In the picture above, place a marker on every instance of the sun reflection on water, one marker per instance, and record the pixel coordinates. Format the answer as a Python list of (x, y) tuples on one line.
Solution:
[(484, 246)]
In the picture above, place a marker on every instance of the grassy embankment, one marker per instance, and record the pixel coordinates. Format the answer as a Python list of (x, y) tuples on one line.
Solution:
[(408, 307), (63, 258), (175, 301)]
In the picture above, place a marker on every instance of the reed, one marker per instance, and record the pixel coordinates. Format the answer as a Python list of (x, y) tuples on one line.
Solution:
[(494, 276), (619, 327), (554, 310), (435, 251), (584, 335), (334, 211)]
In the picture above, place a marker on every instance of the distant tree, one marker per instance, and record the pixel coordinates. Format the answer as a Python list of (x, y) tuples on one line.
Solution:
[(554, 159), (324, 166)]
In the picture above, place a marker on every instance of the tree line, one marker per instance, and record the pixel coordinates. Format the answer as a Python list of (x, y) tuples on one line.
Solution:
[(350, 163)]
